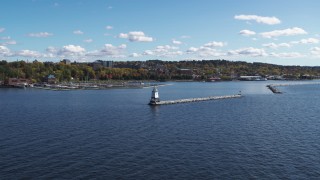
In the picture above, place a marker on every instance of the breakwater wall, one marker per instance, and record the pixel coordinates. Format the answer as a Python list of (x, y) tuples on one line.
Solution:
[(195, 99), (274, 89), (296, 84)]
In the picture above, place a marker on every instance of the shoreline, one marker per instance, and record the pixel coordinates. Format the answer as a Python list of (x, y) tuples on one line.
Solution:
[(138, 84)]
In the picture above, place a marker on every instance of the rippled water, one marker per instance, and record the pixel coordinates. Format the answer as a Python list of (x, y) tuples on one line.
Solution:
[(114, 134)]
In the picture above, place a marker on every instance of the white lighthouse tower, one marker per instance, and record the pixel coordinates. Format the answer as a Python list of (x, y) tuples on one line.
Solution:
[(154, 96)]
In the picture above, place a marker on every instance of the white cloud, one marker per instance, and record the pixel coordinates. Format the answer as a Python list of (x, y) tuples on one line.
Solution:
[(306, 41), (109, 27), (203, 51), (136, 36), (165, 48), (214, 44), (287, 55), (315, 51), (246, 32), (302, 41), (71, 50), (135, 55), (250, 51), (148, 52), (40, 34), (88, 40), (123, 35), (51, 49), (284, 32), (141, 39), (207, 50), (78, 32), (172, 54), (49, 55), (4, 51), (176, 42), (139, 36), (259, 19), (284, 45), (163, 51), (51, 52), (275, 46), (28, 53), (2, 29), (192, 50), (109, 50), (8, 40), (11, 42)]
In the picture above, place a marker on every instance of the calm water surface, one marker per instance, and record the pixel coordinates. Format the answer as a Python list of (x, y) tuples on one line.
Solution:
[(114, 134)]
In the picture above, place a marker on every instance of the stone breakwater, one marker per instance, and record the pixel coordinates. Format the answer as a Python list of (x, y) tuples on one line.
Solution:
[(195, 99), (273, 89)]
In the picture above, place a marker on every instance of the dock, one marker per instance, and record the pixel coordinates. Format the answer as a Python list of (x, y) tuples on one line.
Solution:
[(178, 101)]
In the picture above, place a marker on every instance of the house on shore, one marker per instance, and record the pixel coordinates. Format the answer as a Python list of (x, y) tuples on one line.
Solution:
[(51, 79), (18, 82)]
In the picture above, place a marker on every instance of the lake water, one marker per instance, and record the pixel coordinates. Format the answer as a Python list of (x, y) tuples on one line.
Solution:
[(114, 134)]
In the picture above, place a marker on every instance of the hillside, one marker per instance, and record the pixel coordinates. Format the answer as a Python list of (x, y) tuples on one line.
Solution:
[(152, 70)]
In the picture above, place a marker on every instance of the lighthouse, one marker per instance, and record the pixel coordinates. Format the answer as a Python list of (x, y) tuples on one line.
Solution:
[(154, 96)]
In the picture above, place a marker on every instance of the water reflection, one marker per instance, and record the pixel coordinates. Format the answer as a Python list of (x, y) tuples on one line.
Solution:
[(155, 111)]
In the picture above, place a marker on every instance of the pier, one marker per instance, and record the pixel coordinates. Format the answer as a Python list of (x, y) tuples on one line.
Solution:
[(155, 100), (195, 100)]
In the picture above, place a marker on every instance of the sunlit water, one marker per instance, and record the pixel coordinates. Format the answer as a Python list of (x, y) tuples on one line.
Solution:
[(114, 134)]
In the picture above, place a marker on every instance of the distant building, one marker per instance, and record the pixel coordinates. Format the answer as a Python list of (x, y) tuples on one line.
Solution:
[(66, 61), (101, 63), (18, 82), (252, 78), (275, 77), (51, 79)]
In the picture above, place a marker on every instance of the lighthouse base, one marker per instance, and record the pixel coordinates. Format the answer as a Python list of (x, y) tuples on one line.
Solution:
[(154, 101)]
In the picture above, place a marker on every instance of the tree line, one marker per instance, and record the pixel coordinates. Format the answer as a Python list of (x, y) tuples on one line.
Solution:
[(37, 71)]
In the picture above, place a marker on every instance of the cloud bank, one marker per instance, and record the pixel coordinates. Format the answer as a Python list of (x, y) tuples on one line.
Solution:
[(136, 36), (259, 19), (246, 32), (285, 32), (40, 34)]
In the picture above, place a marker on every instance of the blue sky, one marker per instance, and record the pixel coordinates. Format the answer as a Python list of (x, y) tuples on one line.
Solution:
[(282, 32)]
